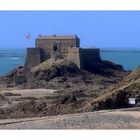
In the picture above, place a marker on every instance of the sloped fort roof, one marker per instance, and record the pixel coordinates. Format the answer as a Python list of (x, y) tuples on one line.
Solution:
[(58, 37)]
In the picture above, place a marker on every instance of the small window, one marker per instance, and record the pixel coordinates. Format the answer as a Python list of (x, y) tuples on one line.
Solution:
[(54, 47)]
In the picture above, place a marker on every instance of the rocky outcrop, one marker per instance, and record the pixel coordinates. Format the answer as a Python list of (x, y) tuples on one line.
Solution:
[(103, 67), (14, 78), (79, 90), (62, 74), (117, 96)]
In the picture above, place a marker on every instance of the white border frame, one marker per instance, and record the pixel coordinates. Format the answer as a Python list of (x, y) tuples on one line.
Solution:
[(69, 5)]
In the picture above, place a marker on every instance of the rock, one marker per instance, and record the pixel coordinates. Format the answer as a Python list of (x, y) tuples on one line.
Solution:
[(78, 90), (117, 96), (68, 99), (63, 74)]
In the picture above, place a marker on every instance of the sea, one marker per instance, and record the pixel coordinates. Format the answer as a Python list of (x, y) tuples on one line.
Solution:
[(10, 59), (128, 58)]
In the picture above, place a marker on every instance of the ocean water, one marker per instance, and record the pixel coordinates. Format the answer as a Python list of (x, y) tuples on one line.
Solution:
[(10, 59), (129, 61), (129, 58)]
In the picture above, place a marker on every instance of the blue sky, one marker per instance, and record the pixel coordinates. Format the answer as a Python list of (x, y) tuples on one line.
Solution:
[(103, 29)]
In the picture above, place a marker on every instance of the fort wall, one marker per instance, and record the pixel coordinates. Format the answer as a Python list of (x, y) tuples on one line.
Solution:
[(61, 47), (33, 58), (84, 58), (63, 44), (47, 43), (88, 56), (74, 56)]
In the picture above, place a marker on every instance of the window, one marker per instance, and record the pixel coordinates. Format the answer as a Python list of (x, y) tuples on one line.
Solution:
[(54, 47)]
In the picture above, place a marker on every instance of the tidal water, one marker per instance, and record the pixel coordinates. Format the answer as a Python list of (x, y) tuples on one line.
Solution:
[(10, 59), (129, 58)]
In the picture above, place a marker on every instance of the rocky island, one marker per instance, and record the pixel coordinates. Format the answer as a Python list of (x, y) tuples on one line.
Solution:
[(61, 78)]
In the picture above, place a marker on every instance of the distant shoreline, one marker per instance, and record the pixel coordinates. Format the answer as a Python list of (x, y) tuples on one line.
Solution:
[(9, 58), (120, 51)]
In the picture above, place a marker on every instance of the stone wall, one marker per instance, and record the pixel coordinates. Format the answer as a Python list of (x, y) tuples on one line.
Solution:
[(89, 56), (67, 48), (84, 58), (74, 56), (64, 44), (33, 58)]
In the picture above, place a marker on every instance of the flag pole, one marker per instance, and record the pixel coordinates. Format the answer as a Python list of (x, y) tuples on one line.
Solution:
[(28, 36)]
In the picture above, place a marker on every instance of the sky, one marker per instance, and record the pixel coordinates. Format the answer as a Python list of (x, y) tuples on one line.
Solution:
[(101, 29)]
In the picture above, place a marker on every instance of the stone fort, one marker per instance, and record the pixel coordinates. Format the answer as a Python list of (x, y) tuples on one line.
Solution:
[(60, 47)]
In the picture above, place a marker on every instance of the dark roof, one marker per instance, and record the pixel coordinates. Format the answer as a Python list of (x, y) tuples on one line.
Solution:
[(58, 37)]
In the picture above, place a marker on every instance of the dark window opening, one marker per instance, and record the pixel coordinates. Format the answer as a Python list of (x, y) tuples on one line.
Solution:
[(54, 47)]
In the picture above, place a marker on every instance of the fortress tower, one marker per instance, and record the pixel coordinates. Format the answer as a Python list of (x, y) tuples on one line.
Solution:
[(61, 44), (60, 47)]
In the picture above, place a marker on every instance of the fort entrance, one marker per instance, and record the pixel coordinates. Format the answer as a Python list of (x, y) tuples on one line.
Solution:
[(56, 49)]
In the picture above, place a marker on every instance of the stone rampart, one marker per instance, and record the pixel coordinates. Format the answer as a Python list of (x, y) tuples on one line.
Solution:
[(33, 58)]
